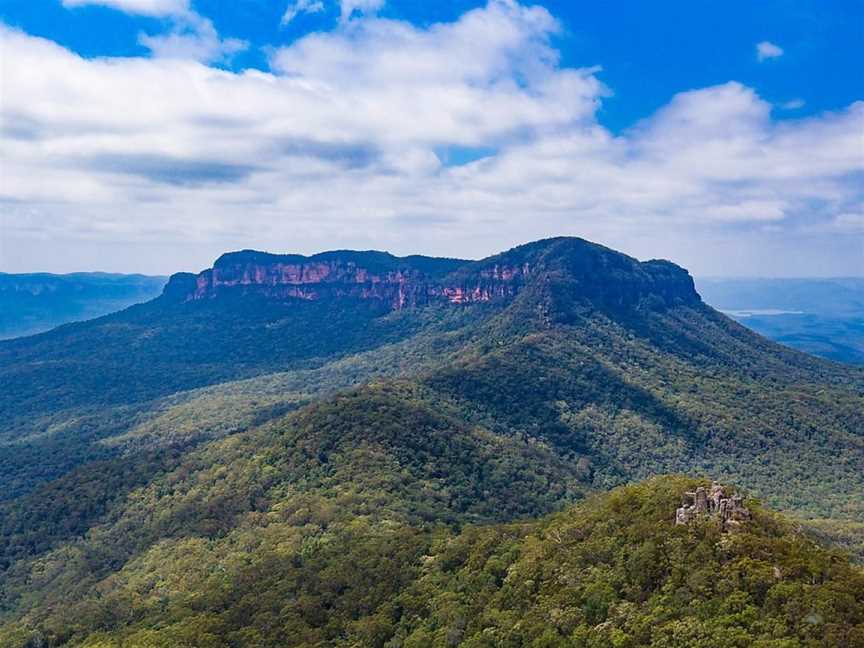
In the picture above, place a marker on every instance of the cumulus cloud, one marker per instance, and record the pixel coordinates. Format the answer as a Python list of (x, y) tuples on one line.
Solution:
[(460, 138), (767, 50), (492, 75), (140, 7)]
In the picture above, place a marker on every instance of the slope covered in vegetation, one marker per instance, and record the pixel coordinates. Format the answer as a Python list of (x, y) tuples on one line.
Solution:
[(612, 571), (237, 465), (379, 457)]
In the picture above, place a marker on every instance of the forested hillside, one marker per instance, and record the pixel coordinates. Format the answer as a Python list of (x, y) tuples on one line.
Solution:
[(290, 449), (322, 564)]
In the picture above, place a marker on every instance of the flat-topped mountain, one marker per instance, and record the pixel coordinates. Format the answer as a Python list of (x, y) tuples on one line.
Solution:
[(594, 274)]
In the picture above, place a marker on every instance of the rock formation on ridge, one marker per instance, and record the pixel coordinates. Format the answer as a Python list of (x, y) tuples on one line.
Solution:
[(729, 509)]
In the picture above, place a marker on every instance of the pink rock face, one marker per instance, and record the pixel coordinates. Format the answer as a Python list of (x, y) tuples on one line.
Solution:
[(317, 280), (503, 273), (478, 293)]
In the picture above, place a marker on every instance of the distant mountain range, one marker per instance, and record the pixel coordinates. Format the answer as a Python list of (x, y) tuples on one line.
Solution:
[(356, 449), (33, 303), (824, 317)]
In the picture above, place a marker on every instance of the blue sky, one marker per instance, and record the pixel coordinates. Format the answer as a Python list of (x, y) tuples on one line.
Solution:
[(726, 136), (649, 50)]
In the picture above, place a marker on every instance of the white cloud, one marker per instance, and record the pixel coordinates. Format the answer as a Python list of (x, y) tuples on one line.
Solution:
[(299, 7), (492, 74), (347, 142), (142, 7), (767, 50), (193, 37)]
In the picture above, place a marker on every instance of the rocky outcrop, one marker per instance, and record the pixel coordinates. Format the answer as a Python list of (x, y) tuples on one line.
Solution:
[(702, 503)]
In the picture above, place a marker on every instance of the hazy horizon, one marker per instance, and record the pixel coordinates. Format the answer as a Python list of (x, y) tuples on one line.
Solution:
[(207, 264), (167, 275)]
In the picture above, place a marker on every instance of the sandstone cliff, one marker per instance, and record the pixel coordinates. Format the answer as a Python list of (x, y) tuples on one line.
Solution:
[(567, 269)]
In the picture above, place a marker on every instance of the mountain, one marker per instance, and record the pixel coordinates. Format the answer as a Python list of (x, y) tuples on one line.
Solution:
[(89, 381), (824, 317), (33, 303), (345, 449)]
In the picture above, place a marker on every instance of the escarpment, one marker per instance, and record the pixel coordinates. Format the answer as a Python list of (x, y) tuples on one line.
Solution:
[(568, 267), (403, 285)]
